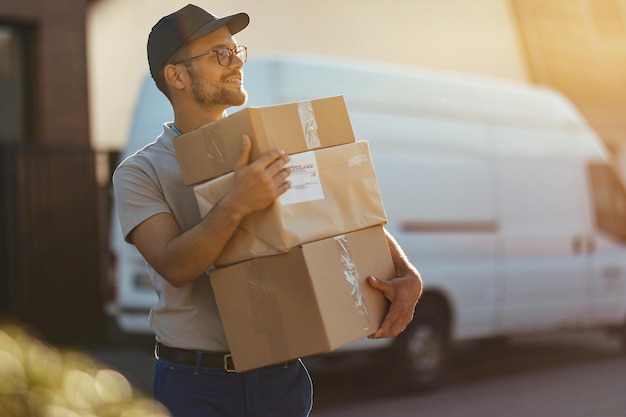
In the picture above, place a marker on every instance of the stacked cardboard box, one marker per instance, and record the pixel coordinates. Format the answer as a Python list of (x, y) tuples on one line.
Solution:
[(291, 282), (213, 149), (311, 300), (334, 190)]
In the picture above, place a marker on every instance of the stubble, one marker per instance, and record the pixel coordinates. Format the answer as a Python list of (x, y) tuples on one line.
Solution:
[(216, 94)]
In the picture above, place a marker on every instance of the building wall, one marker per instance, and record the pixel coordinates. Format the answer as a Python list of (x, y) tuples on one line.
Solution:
[(58, 81), (579, 48), (51, 259), (474, 36)]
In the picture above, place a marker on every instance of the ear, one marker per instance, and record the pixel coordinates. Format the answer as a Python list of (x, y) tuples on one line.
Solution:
[(174, 77)]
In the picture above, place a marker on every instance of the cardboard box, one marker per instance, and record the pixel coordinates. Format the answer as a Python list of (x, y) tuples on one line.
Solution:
[(311, 300), (334, 190), (213, 150)]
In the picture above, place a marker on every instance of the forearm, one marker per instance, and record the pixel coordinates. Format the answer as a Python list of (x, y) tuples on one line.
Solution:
[(182, 256), (191, 253), (403, 292), (401, 263)]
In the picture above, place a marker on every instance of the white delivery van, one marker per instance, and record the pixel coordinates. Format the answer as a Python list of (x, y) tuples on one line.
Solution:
[(499, 192)]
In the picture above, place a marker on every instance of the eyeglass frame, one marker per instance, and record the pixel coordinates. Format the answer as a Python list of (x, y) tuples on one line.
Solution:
[(231, 53)]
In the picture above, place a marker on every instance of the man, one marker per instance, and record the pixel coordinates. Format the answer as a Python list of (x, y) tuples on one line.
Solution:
[(197, 64)]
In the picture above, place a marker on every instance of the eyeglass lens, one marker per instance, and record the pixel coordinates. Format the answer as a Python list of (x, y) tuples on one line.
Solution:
[(225, 55)]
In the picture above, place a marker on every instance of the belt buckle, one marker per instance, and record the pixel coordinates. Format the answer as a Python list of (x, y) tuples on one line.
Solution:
[(229, 365)]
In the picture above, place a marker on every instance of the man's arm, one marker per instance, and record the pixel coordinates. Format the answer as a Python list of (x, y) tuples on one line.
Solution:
[(403, 292), (181, 257)]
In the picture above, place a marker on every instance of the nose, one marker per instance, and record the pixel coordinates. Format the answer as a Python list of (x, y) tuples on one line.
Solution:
[(237, 62)]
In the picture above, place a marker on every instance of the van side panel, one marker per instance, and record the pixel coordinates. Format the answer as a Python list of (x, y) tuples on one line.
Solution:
[(604, 246), (540, 178), (436, 180)]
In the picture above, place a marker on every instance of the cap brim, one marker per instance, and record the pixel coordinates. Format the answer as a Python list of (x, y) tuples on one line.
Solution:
[(235, 23)]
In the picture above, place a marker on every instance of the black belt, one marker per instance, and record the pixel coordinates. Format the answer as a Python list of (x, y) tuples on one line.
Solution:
[(199, 357), (195, 357)]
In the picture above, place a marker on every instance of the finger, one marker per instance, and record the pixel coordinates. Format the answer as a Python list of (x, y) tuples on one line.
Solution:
[(244, 155), (278, 169), (383, 286), (376, 283), (282, 175), (395, 321), (273, 161), (391, 326), (283, 187), (384, 328)]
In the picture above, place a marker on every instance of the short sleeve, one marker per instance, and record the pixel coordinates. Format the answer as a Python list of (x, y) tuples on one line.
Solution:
[(137, 196)]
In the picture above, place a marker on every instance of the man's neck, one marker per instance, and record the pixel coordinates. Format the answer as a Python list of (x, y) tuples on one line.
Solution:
[(190, 119)]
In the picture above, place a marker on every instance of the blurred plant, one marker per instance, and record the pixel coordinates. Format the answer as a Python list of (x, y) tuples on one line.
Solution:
[(37, 380)]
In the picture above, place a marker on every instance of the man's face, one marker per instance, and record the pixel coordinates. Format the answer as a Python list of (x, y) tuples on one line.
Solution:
[(212, 84)]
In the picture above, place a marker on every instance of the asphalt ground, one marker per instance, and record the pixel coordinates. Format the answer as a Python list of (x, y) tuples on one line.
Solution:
[(570, 374)]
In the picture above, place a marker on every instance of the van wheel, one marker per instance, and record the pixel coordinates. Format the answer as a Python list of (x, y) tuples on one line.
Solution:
[(422, 350)]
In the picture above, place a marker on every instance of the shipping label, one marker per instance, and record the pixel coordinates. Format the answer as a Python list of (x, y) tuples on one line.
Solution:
[(305, 180)]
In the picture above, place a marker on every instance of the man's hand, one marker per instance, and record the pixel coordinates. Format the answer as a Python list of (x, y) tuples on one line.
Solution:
[(258, 184), (403, 293), (182, 257)]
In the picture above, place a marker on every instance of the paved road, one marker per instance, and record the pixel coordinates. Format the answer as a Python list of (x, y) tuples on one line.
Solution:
[(573, 375), (596, 389)]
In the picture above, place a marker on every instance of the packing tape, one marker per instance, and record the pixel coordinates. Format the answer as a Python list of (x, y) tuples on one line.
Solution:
[(266, 312), (309, 124), (351, 274), (212, 147), (357, 160)]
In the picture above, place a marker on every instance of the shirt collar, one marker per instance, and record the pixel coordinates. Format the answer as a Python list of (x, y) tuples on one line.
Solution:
[(167, 136)]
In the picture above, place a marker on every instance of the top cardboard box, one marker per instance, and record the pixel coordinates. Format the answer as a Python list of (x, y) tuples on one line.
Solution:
[(212, 150)]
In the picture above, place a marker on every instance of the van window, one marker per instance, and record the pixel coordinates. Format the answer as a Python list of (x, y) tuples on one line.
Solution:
[(609, 201)]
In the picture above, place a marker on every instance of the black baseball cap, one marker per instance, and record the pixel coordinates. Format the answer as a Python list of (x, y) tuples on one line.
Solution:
[(189, 23)]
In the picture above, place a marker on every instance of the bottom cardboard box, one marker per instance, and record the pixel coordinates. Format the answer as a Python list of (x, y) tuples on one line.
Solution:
[(311, 300)]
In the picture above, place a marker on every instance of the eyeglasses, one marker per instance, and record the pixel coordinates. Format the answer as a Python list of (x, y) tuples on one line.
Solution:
[(224, 55)]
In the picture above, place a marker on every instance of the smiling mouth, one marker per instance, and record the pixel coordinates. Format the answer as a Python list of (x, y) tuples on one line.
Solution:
[(233, 78)]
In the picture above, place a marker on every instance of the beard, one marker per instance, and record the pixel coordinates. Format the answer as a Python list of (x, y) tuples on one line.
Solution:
[(216, 94)]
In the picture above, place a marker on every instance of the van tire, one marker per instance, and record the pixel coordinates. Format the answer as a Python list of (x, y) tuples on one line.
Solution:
[(421, 351)]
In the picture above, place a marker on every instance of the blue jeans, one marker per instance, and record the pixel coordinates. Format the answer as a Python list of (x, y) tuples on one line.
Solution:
[(213, 392)]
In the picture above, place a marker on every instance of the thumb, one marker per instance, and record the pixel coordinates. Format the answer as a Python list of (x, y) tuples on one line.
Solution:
[(376, 283), (244, 155), (383, 286)]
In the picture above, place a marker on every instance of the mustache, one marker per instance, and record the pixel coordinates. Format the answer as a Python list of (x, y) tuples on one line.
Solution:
[(233, 73)]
